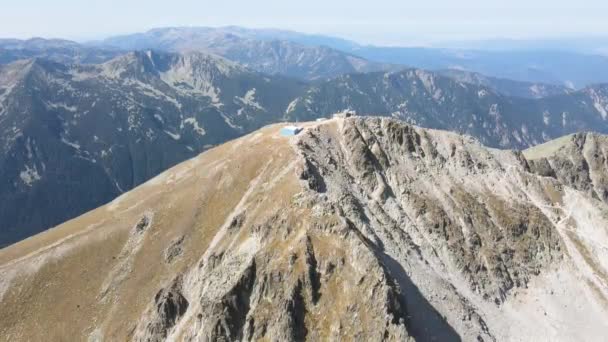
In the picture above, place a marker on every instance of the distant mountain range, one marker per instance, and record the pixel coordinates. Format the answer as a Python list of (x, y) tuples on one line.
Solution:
[(268, 51), (430, 100), (571, 69), (537, 64), (59, 50), (314, 57), (583, 44)]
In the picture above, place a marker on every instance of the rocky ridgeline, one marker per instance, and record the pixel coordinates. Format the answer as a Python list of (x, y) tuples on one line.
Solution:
[(449, 227)]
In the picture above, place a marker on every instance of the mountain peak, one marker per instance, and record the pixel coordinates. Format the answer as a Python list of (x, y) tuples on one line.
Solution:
[(355, 227), (156, 62)]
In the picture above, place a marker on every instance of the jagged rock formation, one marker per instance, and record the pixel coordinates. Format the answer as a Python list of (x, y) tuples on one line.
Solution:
[(356, 229), (579, 161)]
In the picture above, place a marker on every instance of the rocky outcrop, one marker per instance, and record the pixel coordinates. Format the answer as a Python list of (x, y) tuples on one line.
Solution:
[(579, 162), (169, 306), (475, 218), (291, 295)]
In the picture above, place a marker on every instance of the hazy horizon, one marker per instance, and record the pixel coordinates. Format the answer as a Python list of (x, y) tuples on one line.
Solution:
[(389, 22), (488, 43)]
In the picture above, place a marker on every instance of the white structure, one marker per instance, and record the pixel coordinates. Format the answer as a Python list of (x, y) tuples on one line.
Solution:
[(289, 131)]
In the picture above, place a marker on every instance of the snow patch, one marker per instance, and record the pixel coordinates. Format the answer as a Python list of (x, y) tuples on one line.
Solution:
[(195, 125), (70, 143), (30, 175), (546, 118), (570, 84), (536, 90), (51, 105), (175, 136), (159, 118), (494, 111), (249, 99), (229, 122), (150, 134), (28, 147), (600, 103), (292, 106)]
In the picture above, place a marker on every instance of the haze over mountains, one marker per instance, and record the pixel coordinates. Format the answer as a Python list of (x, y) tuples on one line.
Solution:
[(261, 51), (558, 66), (58, 50), (317, 56), (590, 45)]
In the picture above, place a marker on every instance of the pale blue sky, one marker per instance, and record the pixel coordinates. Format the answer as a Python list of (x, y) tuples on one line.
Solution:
[(372, 21)]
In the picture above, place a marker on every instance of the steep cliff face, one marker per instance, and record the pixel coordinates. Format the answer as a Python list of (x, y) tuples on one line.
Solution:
[(356, 229), (578, 160)]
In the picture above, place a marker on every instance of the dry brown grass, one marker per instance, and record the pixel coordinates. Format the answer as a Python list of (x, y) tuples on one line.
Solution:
[(61, 299)]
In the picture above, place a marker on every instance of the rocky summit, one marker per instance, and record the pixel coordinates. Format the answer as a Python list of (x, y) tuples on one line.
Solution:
[(354, 229)]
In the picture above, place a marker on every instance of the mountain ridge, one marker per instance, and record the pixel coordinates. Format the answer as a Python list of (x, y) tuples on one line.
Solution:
[(507, 87), (296, 238), (118, 124), (434, 101), (562, 68), (271, 55)]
